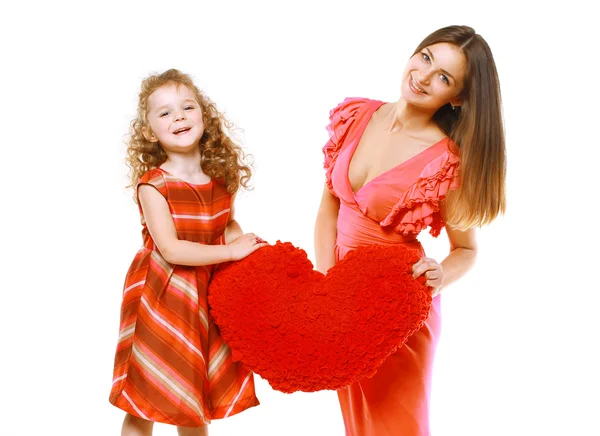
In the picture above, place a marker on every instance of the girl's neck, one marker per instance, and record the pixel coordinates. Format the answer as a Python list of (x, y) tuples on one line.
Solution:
[(188, 165)]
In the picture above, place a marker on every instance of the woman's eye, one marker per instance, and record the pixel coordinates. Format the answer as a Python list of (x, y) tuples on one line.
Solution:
[(425, 57)]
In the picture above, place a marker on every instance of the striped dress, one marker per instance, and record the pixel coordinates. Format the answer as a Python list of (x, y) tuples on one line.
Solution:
[(171, 364)]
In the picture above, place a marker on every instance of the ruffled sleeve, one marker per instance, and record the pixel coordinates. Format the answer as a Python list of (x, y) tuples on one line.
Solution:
[(341, 119), (155, 178), (419, 206)]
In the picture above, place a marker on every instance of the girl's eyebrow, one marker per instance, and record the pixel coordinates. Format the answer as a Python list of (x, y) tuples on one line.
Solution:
[(187, 100)]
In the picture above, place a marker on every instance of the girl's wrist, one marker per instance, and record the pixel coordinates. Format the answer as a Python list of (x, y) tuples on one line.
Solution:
[(229, 253)]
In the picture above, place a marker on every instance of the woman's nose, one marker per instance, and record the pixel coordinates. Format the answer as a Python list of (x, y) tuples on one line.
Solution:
[(425, 76)]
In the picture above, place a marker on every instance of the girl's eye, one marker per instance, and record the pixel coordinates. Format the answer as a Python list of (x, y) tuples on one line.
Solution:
[(445, 79), (189, 108), (164, 114)]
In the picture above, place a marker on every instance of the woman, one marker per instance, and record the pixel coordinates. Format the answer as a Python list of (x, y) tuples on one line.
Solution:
[(392, 169)]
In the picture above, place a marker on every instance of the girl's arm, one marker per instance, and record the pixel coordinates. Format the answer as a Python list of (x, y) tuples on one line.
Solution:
[(233, 229), (463, 252), (178, 252), (326, 231)]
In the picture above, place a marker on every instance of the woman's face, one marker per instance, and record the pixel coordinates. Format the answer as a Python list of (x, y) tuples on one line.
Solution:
[(434, 76)]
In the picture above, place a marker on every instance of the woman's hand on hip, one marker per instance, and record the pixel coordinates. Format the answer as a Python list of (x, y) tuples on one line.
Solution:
[(433, 272)]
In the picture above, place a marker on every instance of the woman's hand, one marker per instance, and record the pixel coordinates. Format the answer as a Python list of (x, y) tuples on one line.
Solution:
[(433, 272), (245, 245)]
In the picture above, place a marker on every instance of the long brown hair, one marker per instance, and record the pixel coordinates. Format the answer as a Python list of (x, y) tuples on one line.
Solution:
[(221, 158), (477, 128)]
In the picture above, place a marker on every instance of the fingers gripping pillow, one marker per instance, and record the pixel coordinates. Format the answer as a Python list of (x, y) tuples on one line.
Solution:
[(305, 331)]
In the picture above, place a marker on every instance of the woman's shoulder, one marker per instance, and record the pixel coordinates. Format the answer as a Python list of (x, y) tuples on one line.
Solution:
[(350, 106), (345, 113), (441, 144)]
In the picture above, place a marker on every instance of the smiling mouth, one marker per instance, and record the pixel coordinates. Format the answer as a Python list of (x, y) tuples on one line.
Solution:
[(182, 130), (415, 86)]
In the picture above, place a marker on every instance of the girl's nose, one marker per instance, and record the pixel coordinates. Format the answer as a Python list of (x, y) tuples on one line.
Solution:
[(180, 116)]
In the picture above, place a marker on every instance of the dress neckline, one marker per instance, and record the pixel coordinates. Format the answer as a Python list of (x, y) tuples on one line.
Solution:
[(199, 185), (356, 142)]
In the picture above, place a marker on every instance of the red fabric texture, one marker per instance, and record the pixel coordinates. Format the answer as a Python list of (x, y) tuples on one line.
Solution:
[(305, 331)]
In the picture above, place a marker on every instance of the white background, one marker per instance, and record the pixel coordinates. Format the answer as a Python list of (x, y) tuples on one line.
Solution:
[(518, 355)]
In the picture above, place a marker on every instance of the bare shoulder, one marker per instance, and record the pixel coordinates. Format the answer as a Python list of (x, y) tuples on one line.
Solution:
[(382, 112), (433, 134)]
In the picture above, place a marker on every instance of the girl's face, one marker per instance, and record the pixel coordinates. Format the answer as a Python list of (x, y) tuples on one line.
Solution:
[(175, 118), (434, 77)]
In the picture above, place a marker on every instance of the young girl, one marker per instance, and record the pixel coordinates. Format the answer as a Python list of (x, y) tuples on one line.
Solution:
[(171, 363)]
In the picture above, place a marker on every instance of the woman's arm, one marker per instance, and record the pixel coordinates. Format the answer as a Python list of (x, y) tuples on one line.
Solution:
[(463, 252), (178, 252), (326, 231)]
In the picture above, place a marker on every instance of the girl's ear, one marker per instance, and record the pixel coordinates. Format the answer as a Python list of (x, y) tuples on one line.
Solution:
[(147, 132)]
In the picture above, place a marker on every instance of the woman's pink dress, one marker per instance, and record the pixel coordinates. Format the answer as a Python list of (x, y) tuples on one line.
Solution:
[(390, 209)]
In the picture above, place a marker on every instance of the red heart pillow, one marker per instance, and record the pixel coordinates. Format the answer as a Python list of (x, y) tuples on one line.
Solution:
[(305, 331)]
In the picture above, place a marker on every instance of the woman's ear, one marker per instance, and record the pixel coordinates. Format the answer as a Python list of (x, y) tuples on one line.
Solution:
[(455, 102)]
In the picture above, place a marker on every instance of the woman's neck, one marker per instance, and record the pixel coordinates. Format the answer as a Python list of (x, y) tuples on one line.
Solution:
[(407, 118)]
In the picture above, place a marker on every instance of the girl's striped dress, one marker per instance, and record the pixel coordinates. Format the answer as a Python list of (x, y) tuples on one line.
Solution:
[(171, 364)]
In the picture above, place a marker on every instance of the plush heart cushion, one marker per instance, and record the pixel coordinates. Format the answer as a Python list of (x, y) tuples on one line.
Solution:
[(305, 331)]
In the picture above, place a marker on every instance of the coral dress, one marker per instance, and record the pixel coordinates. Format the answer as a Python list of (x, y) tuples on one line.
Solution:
[(171, 363), (390, 209)]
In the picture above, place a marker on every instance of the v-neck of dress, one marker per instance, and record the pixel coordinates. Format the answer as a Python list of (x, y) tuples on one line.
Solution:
[(356, 142)]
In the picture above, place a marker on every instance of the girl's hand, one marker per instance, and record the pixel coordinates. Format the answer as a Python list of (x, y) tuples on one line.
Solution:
[(433, 273), (245, 245)]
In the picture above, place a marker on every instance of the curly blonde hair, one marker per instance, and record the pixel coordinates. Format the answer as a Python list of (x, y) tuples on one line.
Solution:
[(221, 158)]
